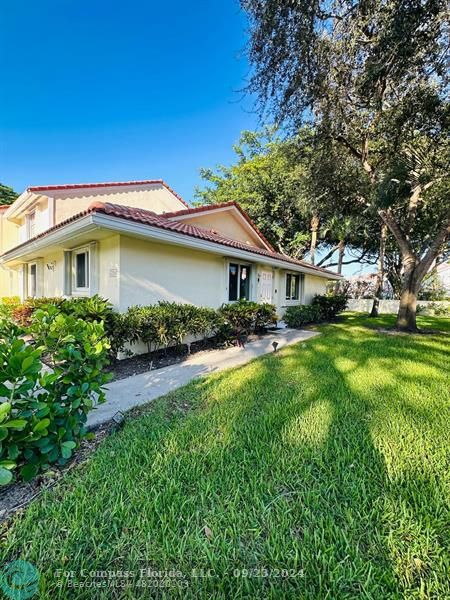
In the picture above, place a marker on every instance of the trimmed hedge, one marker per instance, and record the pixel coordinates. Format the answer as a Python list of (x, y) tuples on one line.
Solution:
[(330, 305), (245, 317), (322, 308), (163, 324)]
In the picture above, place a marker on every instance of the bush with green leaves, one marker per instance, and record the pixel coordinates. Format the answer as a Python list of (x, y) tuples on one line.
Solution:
[(7, 306), (330, 305), (436, 309), (164, 324), (244, 317), (43, 413), (302, 314), (92, 308), (322, 308)]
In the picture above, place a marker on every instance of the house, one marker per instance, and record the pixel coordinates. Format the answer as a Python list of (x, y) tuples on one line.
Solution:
[(138, 242), (443, 273)]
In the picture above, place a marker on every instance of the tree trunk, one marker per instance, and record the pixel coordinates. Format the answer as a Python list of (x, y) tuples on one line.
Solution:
[(314, 230), (406, 317), (414, 268), (341, 252), (380, 273)]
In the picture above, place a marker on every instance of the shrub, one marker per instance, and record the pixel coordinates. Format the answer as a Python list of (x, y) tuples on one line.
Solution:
[(330, 305), (165, 323), (322, 308), (302, 314), (43, 414), (245, 317), (7, 305), (434, 309), (94, 308)]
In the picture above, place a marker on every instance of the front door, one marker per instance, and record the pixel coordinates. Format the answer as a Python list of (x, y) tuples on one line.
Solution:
[(266, 286)]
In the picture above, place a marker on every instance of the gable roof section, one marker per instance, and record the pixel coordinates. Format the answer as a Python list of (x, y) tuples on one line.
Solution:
[(212, 207), (82, 186), (146, 217)]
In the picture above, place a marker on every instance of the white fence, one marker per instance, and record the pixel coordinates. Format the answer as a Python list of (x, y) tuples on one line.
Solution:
[(388, 306)]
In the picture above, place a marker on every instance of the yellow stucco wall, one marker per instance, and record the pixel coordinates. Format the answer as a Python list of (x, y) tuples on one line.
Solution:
[(8, 238), (152, 271), (313, 286), (109, 269), (154, 197), (226, 223)]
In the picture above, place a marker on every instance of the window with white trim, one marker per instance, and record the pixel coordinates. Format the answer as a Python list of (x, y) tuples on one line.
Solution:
[(294, 284), (238, 282), (31, 224), (81, 270)]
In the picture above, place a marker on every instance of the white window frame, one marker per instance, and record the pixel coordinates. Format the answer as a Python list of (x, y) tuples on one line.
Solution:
[(81, 291), (240, 264), (30, 218), (301, 282)]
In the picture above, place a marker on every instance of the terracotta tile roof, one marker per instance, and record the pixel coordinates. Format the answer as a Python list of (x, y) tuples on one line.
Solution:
[(79, 186), (208, 207), (147, 217)]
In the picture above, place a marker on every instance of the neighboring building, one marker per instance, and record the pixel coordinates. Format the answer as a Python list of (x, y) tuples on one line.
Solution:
[(443, 273), (138, 242)]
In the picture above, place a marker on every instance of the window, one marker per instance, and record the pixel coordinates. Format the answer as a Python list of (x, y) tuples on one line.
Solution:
[(238, 282), (31, 224), (32, 280), (293, 281), (81, 270)]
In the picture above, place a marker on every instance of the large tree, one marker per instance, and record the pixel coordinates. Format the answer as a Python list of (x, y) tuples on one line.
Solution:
[(7, 194), (268, 180), (290, 192), (371, 76)]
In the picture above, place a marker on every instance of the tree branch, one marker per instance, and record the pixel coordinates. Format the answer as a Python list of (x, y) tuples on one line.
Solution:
[(402, 241), (349, 262), (434, 248), (328, 255)]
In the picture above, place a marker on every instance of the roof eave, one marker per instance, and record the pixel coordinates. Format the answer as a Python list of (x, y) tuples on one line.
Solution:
[(119, 224), (15, 208), (95, 220)]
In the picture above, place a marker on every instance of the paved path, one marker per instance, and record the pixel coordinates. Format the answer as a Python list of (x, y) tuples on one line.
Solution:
[(140, 389)]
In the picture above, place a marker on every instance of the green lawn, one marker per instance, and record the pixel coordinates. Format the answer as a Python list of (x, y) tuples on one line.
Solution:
[(329, 460)]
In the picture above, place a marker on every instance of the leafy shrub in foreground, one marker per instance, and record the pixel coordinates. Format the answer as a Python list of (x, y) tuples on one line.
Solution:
[(43, 414)]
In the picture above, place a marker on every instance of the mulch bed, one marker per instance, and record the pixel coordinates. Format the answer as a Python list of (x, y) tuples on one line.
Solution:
[(142, 363)]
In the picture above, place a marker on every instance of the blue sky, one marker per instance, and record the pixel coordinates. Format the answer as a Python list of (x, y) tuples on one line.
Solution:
[(97, 90), (105, 90)]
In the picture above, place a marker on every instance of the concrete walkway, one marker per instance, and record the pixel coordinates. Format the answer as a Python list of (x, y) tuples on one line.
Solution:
[(140, 389)]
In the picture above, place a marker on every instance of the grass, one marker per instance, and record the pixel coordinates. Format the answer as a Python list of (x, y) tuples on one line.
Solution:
[(319, 472)]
